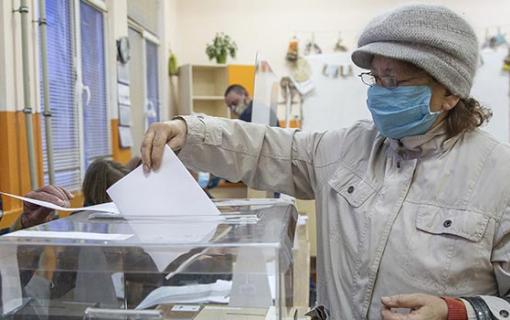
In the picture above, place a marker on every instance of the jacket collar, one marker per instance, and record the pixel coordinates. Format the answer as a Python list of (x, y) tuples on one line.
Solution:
[(434, 141)]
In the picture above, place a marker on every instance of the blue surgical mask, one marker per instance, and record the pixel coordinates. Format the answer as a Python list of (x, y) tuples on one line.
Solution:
[(203, 179), (402, 111)]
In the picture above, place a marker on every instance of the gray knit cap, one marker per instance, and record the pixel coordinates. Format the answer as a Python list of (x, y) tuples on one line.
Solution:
[(433, 38)]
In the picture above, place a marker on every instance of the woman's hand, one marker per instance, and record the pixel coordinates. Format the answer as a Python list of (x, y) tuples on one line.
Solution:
[(172, 132), (34, 214), (422, 306)]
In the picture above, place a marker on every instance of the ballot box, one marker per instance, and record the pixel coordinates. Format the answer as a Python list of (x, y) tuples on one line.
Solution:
[(236, 265)]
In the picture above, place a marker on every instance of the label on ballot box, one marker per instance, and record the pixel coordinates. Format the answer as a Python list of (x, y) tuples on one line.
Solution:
[(185, 308)]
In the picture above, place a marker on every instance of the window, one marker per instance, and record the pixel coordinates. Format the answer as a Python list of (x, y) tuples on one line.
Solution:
[(77, 90), (94, 101), (144, 81), (62, 79)]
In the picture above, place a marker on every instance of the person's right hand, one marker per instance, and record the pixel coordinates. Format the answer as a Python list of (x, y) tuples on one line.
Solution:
[(172, 132)]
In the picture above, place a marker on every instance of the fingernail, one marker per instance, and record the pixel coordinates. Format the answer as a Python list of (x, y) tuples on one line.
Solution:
[(145, 168), (385, 299)]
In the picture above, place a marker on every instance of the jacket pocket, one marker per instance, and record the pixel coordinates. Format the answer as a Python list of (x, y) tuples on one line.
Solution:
[(351, 187), (460, 223)]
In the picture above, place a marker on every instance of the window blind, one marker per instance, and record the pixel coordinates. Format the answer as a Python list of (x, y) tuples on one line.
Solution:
[(95, 115), (62, 78)]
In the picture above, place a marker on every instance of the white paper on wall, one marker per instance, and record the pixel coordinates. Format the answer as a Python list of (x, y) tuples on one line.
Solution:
[(125, 115), (123, 94), (126, 137)]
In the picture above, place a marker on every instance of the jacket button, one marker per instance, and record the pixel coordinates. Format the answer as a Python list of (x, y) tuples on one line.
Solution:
[(503, 313), (350, 189), (447, 223)]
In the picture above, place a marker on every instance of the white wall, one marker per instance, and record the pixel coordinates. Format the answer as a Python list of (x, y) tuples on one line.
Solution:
[(11, 67), (268, 25), (6, 58)]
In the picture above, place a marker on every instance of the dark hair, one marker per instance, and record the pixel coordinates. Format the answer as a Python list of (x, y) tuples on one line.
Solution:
[(237, 88), (100, 175), (467, 115)]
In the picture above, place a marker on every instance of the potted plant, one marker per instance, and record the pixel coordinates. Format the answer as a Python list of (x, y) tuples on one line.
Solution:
[(221, 46)]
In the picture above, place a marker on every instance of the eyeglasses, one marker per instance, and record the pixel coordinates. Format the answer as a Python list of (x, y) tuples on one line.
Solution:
[(371, 80)]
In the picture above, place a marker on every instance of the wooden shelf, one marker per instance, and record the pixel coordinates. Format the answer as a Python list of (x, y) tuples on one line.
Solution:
[(209, 98), (215, 108), (209, 66), (201, 87)]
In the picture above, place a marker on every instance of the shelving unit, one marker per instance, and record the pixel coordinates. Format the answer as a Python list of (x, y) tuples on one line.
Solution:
[(202, 87)]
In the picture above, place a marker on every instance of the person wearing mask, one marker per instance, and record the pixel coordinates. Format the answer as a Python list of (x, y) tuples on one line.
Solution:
[(413, 208), (239, 102)]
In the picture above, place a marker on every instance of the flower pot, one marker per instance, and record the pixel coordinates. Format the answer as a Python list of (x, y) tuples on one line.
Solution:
[(222, 58)]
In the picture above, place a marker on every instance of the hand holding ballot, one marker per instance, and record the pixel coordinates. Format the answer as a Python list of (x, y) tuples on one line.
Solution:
[(172, 132), (34, 214)]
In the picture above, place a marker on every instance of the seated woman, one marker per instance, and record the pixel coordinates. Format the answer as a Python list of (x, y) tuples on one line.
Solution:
[(100, 175)]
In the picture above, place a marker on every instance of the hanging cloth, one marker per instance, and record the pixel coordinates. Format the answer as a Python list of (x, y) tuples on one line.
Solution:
[(293, 50)]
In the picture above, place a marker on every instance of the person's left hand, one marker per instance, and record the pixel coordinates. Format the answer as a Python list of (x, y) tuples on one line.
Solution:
[(34, 214), (422, 306)]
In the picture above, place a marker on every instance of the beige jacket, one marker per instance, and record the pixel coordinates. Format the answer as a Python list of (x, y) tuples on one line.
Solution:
[(423, 215)]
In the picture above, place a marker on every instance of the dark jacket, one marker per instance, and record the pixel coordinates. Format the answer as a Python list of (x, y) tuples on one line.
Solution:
[(246, 115)]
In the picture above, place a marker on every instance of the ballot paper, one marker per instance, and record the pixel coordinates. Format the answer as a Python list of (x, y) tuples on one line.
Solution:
[(103, 207), (218, 292), (170, 191), (178, 234), (11, 297)]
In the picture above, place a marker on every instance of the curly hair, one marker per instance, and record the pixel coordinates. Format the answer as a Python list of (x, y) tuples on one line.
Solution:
[(467, 115)]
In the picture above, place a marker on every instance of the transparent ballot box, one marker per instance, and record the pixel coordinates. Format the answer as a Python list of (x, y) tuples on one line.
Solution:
[(238, 265)]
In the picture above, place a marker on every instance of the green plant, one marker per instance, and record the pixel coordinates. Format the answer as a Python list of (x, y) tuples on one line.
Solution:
[(221, 46)]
